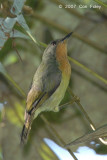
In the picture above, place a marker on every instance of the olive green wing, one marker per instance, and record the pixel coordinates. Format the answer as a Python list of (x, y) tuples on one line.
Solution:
[(35, 98), (42, 89)]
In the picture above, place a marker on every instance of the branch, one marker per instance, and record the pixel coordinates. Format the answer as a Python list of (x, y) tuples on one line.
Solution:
[(86, 116), (55, 134), (10, 79), (99, 132), (88, 70)]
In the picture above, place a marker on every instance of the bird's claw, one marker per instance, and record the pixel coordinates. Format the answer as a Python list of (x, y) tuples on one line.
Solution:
[(56, 109), (77, 98)]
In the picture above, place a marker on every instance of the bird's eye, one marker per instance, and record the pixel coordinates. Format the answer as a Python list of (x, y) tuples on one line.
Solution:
[(54, 43)]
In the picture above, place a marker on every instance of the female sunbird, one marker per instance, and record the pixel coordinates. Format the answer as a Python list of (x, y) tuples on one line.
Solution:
[(49, 83)]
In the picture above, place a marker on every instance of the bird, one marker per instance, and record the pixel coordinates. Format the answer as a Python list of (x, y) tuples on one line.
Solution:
[(49, 83)]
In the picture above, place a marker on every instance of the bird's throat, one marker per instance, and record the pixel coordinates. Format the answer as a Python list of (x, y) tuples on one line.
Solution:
[(62, 59)]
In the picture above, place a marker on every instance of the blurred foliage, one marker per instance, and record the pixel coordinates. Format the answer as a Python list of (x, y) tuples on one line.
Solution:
[(1, 157), (11, 59), (46, 153), (36, 4), (101, 149), (15, 114), (1, 108)]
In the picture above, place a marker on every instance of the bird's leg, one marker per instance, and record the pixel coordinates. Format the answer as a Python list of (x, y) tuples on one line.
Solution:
[(74, 99)]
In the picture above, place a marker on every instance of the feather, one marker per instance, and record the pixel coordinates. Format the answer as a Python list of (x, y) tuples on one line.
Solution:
[(26, 128)]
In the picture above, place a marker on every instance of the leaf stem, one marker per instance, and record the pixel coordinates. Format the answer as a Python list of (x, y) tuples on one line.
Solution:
[(88, 70), (15, 84), (101, 3)]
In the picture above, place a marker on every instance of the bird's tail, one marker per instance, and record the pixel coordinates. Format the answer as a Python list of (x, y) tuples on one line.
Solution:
[(26, 129)]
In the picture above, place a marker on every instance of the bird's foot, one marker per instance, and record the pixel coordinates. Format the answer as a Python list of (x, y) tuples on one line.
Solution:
[(77, 98), (56, 109)]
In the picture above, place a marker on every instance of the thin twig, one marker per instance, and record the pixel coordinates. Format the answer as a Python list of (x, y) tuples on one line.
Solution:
[(99, 132), (66, 30), (55, 134), (88, 70), (15, 85), (14, 47), (74, 99), (86, 116)]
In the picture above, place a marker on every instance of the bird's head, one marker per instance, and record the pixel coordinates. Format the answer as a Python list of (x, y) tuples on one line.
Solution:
[(56, 48)]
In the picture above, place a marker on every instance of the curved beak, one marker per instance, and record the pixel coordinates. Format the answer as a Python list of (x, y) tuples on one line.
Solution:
[(66, 37)]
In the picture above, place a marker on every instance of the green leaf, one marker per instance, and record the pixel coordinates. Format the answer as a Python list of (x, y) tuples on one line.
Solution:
[(1, 107)]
